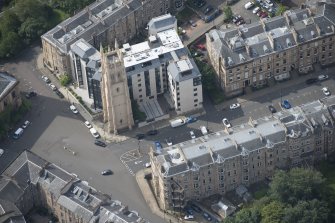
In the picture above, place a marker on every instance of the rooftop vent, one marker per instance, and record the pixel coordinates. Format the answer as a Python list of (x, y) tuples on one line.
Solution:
[(230, 61), (126, 46), (242, 58), (288, 42), (251, 132), (266, 49), (313, 34), (202, 147)]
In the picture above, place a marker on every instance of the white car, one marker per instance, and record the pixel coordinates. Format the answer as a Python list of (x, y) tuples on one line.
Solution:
[(168, 141), (147, 165), (25, 124), (268, 2), (226, 123), (189, 217), (234, 106), (249, 5), (256, 10), (322, 77), (94, 133), (326, 91), (73, 109), (88, 124), (192, 134), (53, 87), (1, 152)]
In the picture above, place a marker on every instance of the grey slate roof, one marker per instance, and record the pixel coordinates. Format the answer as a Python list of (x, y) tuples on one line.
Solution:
[(93, 20), (6, 83), (9, 213)]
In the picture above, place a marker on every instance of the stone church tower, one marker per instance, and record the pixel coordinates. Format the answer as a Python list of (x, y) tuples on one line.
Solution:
[(115, 93)]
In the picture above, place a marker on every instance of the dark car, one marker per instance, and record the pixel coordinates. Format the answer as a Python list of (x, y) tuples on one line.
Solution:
[(286, 104), (152, 132), (59, 94), (201, 3), (208, 9), (196, 208), (100, 143), (311, 81), (191, 119), (140, 136), (272, 109), (207, 216), (107, 172), (31, 94), (189, 210)]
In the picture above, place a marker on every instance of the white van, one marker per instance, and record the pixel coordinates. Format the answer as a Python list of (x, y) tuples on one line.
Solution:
[(249, 5), (94, 133), (18, 133), (203, 130)]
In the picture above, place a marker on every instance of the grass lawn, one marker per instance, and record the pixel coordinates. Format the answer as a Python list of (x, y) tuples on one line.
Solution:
[(328, 171), (185, 14), (57, 17)]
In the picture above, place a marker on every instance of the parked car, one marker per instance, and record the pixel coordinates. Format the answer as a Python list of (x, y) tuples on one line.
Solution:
[(195, 208), (152, 132), (147, 165), (236, 18), (249, 5), (188, 217), (286, 104), (257, 9), (158, 147), (201, 3), (73, 109), (272, 109), (192, 135), (259, 13), (322, 77), (100, 143), (60, 95), (189, 210), (311, 80), (208, 9), (25, 124), (140, 136), (201, 47), (31, 94), (192, 23), (234, 106), (191, 119), (94, 133), (168, 141), (88, 124), (107, 172), (268, 2), (226, 123), (1, 152), (264, 15), (207, 216), (46, 79), (53, 87), (326, 91)]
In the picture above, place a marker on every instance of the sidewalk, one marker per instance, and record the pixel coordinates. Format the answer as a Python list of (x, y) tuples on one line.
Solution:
[(150, 198), (99, 126)]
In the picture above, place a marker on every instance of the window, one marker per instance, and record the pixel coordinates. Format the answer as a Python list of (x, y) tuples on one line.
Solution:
[(195, 100), (139, 85), (284, 69), (195, 89), (329, 54), (277, 71), (284, 61)]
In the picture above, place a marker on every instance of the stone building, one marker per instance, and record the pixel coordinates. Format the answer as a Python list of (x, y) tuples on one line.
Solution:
[(31, 182), (100, 24), (256, 53), (115, 93), (244, 154), (9, 91)]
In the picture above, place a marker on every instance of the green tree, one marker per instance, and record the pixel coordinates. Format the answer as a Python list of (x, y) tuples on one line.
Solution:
[(10, 44), (9, 22), (228, 13), (65, 79), (297, 184), (313, 211), (32, 9), (273, 212), (32, 28)]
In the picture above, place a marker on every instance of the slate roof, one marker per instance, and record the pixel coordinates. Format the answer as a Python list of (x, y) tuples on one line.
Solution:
[(238, 45), (9, 213), (161, 22), (7, 82), (95, 19)]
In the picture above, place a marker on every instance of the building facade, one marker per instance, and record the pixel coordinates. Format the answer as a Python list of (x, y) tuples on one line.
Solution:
[(9, 91), (100, 24), (254, 54), (243, 155), (115, 93), (32, 182)]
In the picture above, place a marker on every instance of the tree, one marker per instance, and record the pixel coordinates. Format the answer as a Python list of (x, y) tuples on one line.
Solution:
[(273, 212), (297, 184), (9, 22), (10, 44), (32, 9), (32, 28), (228, 13)]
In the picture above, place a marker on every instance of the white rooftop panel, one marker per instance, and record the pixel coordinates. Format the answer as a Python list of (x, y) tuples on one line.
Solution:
[(83, 46)]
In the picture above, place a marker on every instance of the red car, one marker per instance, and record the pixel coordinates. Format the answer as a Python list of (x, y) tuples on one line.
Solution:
[(259, 13), (201, 47), (264, 15)]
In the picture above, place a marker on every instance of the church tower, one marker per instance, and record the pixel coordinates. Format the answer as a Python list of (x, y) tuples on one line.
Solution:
[(115, 93)]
